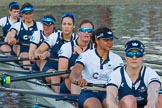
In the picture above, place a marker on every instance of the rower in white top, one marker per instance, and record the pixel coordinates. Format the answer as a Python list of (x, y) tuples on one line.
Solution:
[(95, 66)]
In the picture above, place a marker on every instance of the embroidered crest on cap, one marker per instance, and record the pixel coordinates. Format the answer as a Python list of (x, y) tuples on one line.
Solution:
[(134, 44), (109, 32), (101, 34)]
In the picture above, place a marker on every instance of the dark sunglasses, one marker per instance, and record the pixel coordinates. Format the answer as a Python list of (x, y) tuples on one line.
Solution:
[(89, 30), (132, 54), (68, 15)]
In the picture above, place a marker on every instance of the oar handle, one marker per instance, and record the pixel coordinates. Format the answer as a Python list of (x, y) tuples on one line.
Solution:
[(93, 85), (96, 85)]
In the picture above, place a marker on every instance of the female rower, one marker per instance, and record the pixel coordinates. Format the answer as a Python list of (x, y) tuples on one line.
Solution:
[(94, 66), (49, 23), (22, 31), (7, 21), (136, 85), (55, 42), (70, 51)]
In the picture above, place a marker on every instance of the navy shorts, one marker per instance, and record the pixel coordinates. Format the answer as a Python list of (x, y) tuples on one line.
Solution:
[(85, 94), (50, 65), (63, 88), (35, 67), (24, 49)]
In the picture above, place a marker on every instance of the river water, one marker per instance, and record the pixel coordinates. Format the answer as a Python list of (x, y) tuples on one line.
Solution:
[(143, 22)]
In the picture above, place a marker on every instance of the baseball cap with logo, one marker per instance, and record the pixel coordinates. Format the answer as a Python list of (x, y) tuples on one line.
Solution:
[(134, 44), (104, 33)]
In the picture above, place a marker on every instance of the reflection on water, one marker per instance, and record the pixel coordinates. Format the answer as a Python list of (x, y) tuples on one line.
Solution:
[(142, 22), (14, 100)]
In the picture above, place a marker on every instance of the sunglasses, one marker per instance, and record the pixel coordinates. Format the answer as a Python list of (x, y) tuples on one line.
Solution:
[(68, 15), (89, 30), (132, 54)]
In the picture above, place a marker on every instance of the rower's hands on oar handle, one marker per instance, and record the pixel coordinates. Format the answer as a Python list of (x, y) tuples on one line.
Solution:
[(31, 57), (12, 41), (80, 82), (42, 56)]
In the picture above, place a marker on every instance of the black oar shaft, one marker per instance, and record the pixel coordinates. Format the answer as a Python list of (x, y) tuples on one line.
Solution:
[(6, 80), (38, 75), (12, 59)]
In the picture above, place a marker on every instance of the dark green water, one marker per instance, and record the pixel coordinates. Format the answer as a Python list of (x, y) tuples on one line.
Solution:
[(142, 22)]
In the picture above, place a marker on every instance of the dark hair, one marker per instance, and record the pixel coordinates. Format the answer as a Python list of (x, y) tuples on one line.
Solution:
[(84, 21), (70, 15), (98, 30), (13, 5)]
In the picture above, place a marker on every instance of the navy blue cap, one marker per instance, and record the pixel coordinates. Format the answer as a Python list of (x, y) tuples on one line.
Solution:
[(14, 5), (68, 15), (134, 44), (104, 33), (48, 20), (27, 9)]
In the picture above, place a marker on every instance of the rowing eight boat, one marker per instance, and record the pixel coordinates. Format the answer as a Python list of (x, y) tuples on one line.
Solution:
[(35, 87)]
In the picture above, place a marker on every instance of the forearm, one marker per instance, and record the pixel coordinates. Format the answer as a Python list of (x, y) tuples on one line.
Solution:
[(41, 49), (74, 77), (76, 73), (37, 52), (153, 93), (111, 98), (32, 48), (10, 36)]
